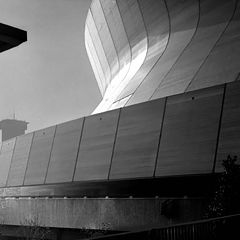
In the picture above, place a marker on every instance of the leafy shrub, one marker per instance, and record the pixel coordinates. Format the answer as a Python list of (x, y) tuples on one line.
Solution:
[(226, 199)]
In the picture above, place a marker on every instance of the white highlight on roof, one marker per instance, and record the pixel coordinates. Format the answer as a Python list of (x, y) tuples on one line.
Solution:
[(120, 81)]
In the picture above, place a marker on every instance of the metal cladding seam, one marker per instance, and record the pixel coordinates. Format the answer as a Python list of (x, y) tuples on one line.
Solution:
[(136, 32), (19, 160), (214, 16), (177, 59), (94, 61), (158, 38), (178, 41), (105, 37), (5, 159), (165, 137), (229, 42), (99, 49)]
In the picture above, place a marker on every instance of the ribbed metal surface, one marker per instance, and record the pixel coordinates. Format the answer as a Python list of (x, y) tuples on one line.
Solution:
[(19, 160), (5, 160), (150, 46), (158, 48), (183, 135)]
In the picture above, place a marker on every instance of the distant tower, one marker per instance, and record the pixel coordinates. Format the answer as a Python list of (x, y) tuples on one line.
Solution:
[(12, 128)]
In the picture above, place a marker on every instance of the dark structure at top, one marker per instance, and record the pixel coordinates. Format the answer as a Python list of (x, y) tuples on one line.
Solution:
[(11, 37)]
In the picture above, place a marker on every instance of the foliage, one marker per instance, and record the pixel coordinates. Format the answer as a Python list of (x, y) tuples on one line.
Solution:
[(226, 199), (91, 233), (31, 229)]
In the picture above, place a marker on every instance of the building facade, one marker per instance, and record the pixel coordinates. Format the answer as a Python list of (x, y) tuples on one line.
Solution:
[(168, 72), (143, 50)]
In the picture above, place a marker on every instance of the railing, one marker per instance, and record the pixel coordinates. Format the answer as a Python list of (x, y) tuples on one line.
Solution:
[(227, 227)]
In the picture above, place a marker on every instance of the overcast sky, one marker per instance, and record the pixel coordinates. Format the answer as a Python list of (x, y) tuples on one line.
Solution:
[(48, 79)]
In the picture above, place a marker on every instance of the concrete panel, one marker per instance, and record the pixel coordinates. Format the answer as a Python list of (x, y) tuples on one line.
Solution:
[(95, 63), (117, 30), (105, 36), (214, 17), (96, 146), (39, 156), (137, 140), (133, 22), (223, 63), (5, 160), (135, 28), (64, 152), (183, 22), (98, 48), (229, 140), (97, 213), (155, 17), (189, 134), (137, 36), (19, 160)]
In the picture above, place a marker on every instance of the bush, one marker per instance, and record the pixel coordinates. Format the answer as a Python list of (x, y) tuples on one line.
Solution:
[(226, 199)]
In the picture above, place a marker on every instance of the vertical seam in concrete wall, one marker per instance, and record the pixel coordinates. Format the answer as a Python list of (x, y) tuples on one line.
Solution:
[(145, 26), (110, 33), (11, 160), (101, 88), (147, 36), (124, 28), (95, 49), (101, 42), (101, 64), (55, 130), (219, 128), (28, 158), (180, 55), (160, 136), (127, 37), (215, 44), (79, 143), (169, 35), (114, 143)]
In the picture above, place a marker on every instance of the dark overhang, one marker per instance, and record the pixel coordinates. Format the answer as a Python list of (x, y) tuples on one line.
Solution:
[(11, 37)]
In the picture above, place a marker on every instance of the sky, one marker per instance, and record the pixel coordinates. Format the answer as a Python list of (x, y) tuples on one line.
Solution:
[(48, 79)]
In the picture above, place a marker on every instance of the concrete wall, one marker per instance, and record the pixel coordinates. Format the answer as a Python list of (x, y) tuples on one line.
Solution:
[(109, 214)]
